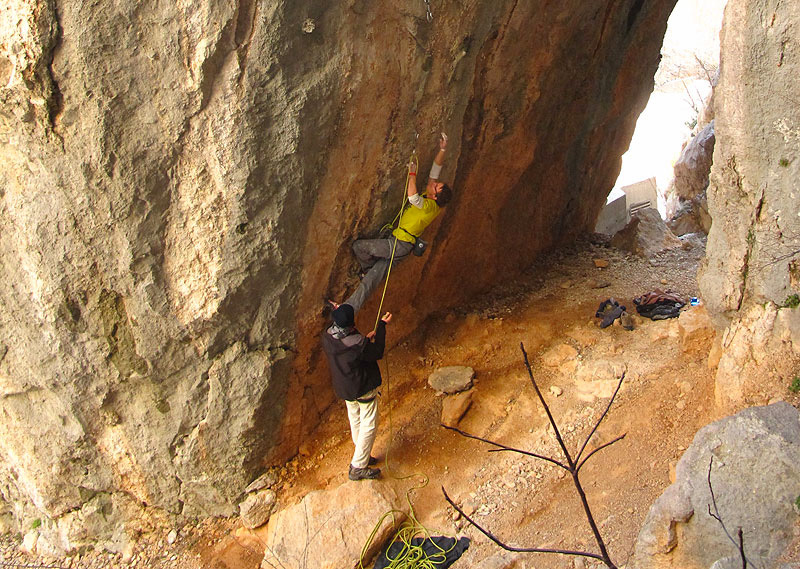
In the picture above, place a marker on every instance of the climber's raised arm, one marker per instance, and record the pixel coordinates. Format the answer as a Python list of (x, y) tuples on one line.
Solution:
[(413, 195), (436, 167)]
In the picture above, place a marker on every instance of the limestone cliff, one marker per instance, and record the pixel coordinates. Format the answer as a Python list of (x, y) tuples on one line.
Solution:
[(179, 186), (751, 276)]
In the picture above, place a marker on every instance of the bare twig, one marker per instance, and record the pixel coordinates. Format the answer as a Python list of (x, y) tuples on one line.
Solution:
[(704, 66), (491, 536), (573, 469), (741, 549), (601, 447), (716, 515), (572, 466), (503, 447), (546, 408), (603, 416), (780, 258)]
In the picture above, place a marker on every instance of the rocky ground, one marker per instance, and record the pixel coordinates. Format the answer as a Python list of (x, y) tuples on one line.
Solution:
[(666, 396)]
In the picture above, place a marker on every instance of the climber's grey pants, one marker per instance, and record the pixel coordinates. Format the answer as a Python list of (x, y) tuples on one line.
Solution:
[(374, 255)]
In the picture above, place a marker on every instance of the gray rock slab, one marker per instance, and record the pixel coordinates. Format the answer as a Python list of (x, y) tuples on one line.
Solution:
[(452, 379), (328, 528), (756, 478)]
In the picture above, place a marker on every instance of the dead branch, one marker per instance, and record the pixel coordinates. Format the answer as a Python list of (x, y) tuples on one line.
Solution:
[(491, 536), (601, 447), (503, 447), (705, 67), (546, 408), (741, 549), (603, 416), (572, 466)]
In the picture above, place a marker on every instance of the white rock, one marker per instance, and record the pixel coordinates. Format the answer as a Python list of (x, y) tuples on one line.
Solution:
[(29, 542), (257, 508)]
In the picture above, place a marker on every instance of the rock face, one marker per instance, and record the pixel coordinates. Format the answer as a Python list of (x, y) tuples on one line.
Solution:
[(328, 529), (752, 267), (755, 476), (179, 186), (645, 235), (689, 186)]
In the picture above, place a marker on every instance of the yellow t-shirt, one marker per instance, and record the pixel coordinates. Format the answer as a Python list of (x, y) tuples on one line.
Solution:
[(415, 219)]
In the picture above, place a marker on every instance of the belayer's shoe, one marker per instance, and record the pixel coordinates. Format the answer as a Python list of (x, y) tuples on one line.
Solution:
[(363, 473)]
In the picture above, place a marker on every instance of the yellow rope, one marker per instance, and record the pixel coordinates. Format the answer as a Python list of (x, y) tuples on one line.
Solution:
[(415, 161)]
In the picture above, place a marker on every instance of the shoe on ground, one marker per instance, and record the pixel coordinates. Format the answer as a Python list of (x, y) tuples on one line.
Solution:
[(363, 473)]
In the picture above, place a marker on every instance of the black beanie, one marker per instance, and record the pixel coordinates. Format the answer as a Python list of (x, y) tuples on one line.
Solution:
[(343, 316)]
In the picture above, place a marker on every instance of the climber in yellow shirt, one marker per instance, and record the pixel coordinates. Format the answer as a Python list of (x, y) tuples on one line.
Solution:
[(374, 254)]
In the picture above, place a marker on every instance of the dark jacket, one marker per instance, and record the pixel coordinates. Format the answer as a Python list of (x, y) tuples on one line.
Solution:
[(353, 361)]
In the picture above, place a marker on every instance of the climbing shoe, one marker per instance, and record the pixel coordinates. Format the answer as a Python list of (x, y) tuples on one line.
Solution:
[(363, 473)]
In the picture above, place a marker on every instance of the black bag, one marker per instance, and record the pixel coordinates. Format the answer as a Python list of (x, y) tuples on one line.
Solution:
[(419, 246), (440, 552)]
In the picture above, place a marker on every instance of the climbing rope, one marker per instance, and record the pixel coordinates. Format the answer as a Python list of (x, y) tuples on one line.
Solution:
[(395, 221)]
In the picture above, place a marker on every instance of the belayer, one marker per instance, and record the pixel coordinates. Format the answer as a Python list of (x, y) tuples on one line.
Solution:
[(353, 362), (374, 255)]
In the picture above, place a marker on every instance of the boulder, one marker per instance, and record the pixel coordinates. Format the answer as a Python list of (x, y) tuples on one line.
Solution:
[(257, 508), (645, 235), (328, 528), (755, 477), (455, 406), (451, 379), (691, 216), (694, 164), (687, 210)]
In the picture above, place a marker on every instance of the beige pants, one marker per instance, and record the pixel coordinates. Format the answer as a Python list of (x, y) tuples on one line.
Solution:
[(363, 427)]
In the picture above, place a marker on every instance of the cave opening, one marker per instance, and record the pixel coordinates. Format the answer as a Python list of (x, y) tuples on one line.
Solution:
[(677, 108)]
